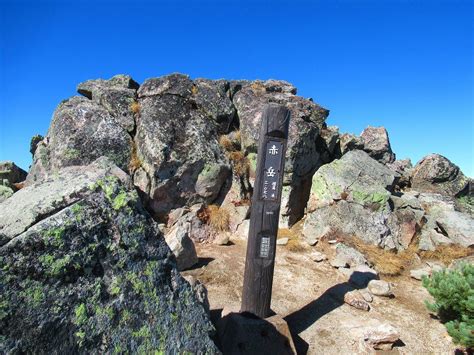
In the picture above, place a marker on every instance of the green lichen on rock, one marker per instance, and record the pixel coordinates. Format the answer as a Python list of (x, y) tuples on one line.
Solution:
[(97, 276), (375, 199)]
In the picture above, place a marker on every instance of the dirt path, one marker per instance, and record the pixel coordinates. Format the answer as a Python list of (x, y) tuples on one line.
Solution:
[(303, 294)]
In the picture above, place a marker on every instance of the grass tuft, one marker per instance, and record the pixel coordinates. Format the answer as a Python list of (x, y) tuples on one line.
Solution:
[(218, 218), (135, 107)]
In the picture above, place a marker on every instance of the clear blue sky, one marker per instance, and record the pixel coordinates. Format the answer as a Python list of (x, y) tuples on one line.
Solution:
[(406, 65)]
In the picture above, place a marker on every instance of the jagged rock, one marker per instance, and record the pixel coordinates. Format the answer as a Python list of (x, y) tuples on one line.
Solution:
[(5, 192), (90, 272), (302, 156), (181, 156), (367, 296), (222, 239), (338, 262), (355, 177), (418, 274), (381, 337), (444, 225), (379, 288), (213, 97), (377, 144), (351, 256), (181, 245), (10, 174), (117, 95), (435, 173), (81, 131), (355, 299), (34, 143), (328, 143), (404, 224), (282, 241), (405, 169), (350, 142), (243, 230)]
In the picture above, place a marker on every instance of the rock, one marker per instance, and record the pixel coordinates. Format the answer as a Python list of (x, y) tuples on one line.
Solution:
[(282, 241), (246, 334), (222, 239), (5, 192), (444, 225), (10, 174), (213, 97), (302, 156), (379, 288), (182, 156), (318, 257), (81, 131), (355, 177), (404, 224), (435, 266), (418, 274), (90, 272), (351, 256), (350, 142), (367, 296), (34, 143), (182, 246), (352, 219), (381, 337), (314, 232), (328, 143), (404, 168), (435, 173), (243, 230), (377, 144), (38, 201), (200, 291), (355, 299), (339, 262), (361, 275), (117, 95)]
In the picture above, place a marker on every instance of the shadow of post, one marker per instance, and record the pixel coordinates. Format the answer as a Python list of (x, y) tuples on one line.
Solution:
[(331, 299)]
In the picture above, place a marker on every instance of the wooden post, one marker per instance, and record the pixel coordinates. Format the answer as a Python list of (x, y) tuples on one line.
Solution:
[(261, 244)]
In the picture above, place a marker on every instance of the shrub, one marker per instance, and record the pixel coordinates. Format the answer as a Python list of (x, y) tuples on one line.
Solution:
[(453, 292), (226, 143)]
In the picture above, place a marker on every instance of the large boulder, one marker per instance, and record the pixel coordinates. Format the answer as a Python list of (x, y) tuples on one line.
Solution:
[(177, 143), (91, 273), (355, 177), (5, 192), (302, 155), (435, 173), (377, 144), (81, 131)]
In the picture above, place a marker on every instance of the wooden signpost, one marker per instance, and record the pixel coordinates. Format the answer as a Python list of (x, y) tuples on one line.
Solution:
[(261, 245)]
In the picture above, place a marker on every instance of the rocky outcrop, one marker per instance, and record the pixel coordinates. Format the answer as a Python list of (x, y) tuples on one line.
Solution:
[(356, 177), (177, 143), (302, 155), (87, 271), (377, 144), (435, 173), (81, 131)]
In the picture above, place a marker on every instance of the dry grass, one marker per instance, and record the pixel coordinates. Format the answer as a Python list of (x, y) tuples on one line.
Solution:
[(237, 136), (446, 253), (194, 90), (226, 143), (257, 86), (294, 245), (135, 107), (135, 161), (240, 163), (218, 218), (385, 262)]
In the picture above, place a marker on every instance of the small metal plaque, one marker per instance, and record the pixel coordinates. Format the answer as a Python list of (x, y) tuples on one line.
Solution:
[(264, 247), (272, 170)]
